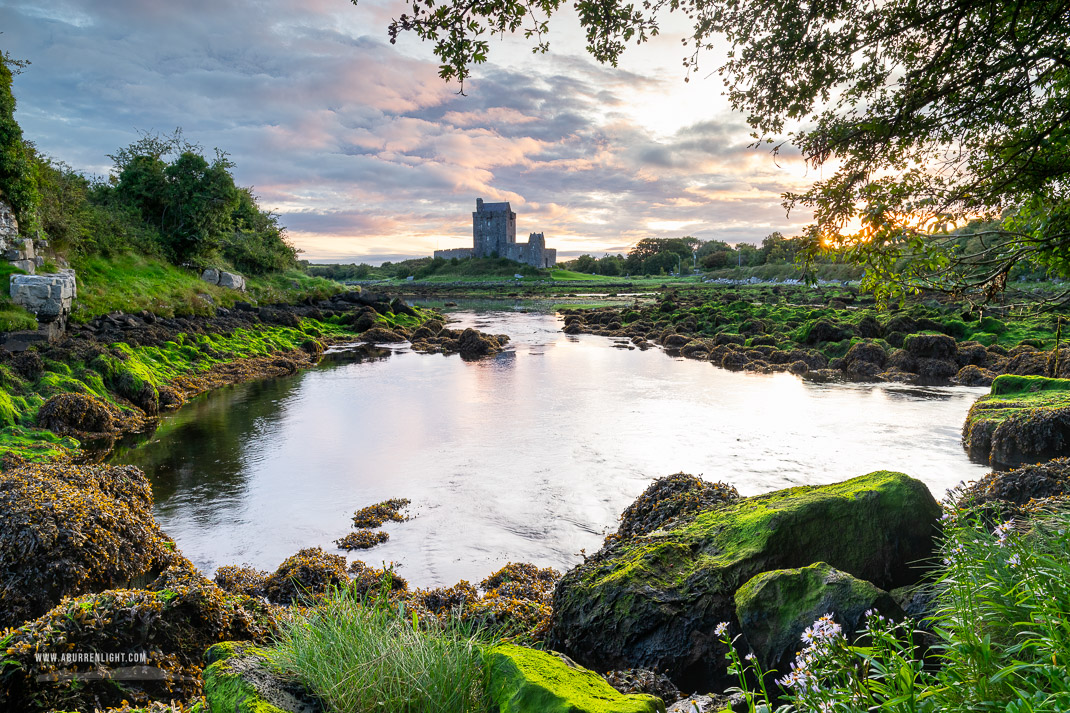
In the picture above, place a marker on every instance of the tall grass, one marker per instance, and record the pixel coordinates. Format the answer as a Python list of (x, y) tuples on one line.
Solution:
[(1000, 638), (371, 655)]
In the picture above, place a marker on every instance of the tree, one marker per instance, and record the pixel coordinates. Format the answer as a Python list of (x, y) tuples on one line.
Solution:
[(925, 114), (18, 183)]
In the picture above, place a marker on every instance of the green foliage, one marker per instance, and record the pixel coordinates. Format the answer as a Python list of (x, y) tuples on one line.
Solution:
[(999, 633), (17, 170), (365, 653)]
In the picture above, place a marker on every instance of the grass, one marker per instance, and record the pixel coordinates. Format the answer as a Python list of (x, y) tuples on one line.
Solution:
[(368, 655), (12, 316), (1001, 634), (133, 282)]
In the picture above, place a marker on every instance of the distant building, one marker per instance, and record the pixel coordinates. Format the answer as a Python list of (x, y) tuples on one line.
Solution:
[(494, 233)]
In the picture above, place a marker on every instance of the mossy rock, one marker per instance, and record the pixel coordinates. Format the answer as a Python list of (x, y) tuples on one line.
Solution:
[(239, 679), (1017, 492), (774, 608), (305, 575), (77, 414), (70, 529), (653, 601), (523, 680), (1025, 419), (931, 346)]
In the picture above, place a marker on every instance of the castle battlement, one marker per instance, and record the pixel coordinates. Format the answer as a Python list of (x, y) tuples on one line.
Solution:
[(494, 233)]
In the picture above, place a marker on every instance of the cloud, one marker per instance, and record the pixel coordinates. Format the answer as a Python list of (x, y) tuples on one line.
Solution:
[(364, 151)]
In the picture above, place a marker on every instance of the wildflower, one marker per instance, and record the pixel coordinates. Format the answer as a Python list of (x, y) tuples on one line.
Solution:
[(1002, 533), (721, 628), (1014, 560), (750, 656)]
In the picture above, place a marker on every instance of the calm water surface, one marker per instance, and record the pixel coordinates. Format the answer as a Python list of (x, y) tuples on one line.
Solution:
[(527, 456)]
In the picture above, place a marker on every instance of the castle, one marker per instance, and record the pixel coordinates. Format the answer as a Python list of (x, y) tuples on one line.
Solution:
[(494, 234)]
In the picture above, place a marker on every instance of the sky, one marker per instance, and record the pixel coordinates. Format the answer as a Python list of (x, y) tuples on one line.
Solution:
[(367, 155)]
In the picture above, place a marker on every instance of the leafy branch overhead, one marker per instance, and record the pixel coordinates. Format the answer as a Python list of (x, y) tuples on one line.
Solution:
[(924, 115)]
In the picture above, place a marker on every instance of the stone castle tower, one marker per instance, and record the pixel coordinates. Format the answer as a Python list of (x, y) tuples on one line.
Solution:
[(494, 234)]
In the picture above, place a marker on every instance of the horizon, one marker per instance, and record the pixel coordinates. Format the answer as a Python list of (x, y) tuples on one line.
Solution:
[(368, 156)]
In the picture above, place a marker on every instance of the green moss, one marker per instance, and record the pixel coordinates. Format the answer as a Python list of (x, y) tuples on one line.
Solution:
[(523, 680), (36, 445), (225, 689), (1022, 386)]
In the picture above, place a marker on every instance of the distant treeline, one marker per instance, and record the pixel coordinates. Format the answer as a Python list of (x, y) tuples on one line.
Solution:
[(664, 256), (423, 268)]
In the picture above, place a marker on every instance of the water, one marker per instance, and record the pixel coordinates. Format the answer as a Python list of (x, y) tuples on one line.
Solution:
[(527, 456)]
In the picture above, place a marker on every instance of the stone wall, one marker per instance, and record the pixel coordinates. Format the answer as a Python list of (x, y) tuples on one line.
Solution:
[(459, 253)]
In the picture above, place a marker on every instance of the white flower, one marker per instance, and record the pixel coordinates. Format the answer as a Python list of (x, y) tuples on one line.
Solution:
[(1014, 560), (721, 628)]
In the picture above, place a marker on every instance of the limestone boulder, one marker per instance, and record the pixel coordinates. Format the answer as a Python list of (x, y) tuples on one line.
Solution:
[(48, 296), (775, 608), (232, 281), (653, 601), (523, 680)]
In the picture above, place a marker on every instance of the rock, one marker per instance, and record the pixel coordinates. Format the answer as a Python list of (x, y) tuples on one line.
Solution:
[(641, 680), (222, 278), (773, 608), (70, 529), (169, 624), (653, 601), (675, 341), (1023, 419), (825, 331), (734, 361), (473, 344), (931, 346), (305, 575), (49, 297), (709, 704), (862, 354), (669, 498), (971, 375), (240, 679), (1012, 491), (9, 226), (77, 414), (523, 680), (380, 335), (726, 338), (1027, 361), (936, 368), (232, 281)]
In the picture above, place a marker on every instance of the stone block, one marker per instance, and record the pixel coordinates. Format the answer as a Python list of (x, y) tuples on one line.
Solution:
[(211, 276), (47, 296)]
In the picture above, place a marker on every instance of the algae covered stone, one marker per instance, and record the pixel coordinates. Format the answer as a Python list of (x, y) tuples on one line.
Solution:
[(774, 608), (523, 680), (240, 679), (654, 601), (1024, 419)]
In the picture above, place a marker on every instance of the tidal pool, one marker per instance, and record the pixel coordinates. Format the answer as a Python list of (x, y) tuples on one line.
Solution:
[(527, 456)]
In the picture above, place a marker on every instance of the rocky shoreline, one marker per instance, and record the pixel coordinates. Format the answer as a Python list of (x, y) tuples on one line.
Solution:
[(825, 342), (87, 569)]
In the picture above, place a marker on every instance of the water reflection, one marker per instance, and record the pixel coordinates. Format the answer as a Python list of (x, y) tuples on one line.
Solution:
[(529, 455)]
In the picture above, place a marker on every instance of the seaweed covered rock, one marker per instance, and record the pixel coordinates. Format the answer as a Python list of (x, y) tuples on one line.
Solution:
[(241, 579), (240, 679), (641, 680), (654, 601), (971, 375), (864, 360), (823, 331), (70, 529), (165, 632), (931, 346), (304, 575), (380, 335), (774, 608), (77, 414), (522, 680), (473, 344), (1011, 492), (522, 580), (1023, 419), (670, 497)]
